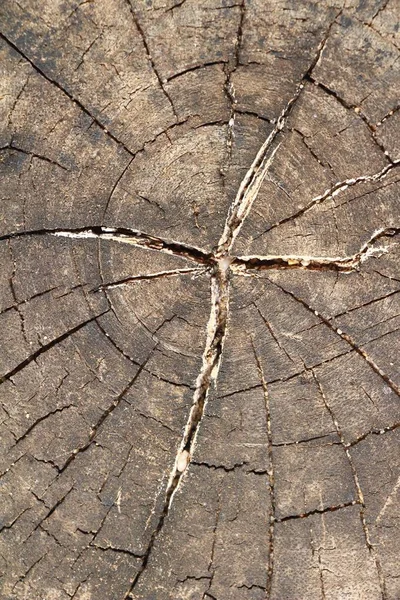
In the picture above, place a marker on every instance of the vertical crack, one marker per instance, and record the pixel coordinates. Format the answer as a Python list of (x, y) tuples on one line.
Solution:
[(124, 170), (211, 562), (229, 88), (271, 476), (360, 496), (254, 177), (316, 550), (271, 331), (17, 98), (150, 58), (14, 295), (216, 332)]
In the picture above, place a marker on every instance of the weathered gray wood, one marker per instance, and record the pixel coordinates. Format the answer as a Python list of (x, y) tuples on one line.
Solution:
[(199, 300)]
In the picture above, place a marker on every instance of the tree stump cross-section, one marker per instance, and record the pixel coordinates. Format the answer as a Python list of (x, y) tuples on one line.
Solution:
[(159, 158)]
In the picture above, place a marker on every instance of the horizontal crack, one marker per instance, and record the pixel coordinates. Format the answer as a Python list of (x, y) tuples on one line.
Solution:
[(327, 436), (377, 431), (317, 511), (108, 548), (123, 235), (241, 465), (195, 68), (134, 278), (34, 155), (138, 238), (313, 263)]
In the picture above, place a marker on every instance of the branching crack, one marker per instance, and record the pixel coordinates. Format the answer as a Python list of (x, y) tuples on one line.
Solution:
[(357, 110), (50, 512), (220, 265)]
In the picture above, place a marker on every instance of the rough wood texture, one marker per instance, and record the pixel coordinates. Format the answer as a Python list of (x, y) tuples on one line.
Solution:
[(199, 302)]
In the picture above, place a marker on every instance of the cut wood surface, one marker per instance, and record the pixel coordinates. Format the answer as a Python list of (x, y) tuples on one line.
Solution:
[(200, 300)]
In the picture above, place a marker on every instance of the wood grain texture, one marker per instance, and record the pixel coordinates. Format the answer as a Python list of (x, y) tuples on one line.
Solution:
[(199, 300)]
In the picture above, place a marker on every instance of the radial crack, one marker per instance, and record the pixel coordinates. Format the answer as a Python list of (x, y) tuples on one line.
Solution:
[(357, 110), (134, 278), (137, 238), (106, 413), (317, 511), (40, 420), (380, 431), (68, 94), (360, 495), (220, 264), (46, 347), (229, 88), (123, 235), (124, 170), (150, 58), (251, 183), (271, 476), (344, 264), (333, 191), (216, 331), (214, 541), (33, 155), (271, 331), (344, 336)]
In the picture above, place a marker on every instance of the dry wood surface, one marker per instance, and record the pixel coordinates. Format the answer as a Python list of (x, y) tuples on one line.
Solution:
[(199, 301)]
